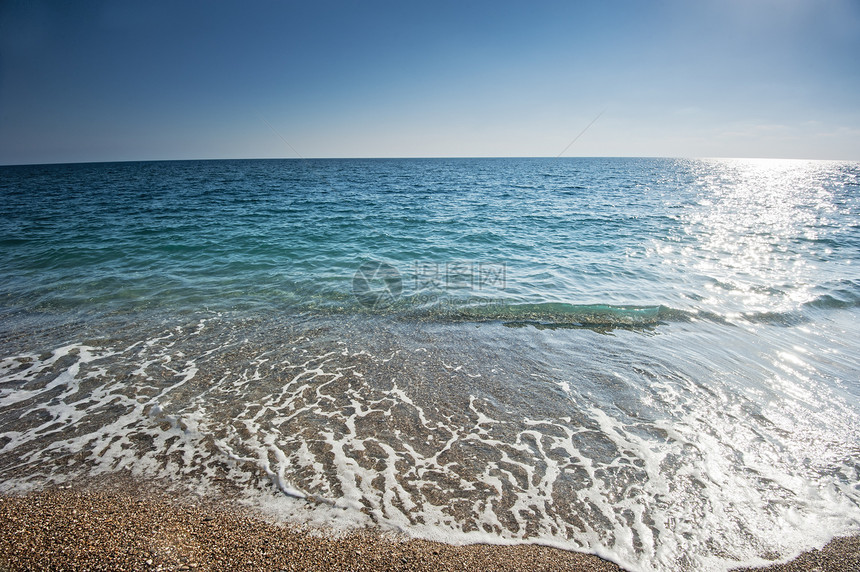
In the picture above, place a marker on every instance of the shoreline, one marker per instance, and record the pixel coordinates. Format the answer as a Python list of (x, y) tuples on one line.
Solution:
[(105, 528)]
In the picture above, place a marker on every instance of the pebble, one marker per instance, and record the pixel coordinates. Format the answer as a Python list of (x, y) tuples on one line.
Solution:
[(148, 528)]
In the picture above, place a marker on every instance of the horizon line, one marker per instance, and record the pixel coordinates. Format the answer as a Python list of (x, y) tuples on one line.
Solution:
[(428, 157)]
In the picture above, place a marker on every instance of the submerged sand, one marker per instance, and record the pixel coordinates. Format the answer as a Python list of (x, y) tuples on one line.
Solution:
[(64, 529)]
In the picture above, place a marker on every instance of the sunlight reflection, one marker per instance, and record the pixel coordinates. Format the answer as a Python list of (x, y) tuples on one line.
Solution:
[(755, 228)]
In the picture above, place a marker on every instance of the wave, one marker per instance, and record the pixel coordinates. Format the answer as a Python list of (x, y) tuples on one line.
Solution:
[(839, 295), (550, 315), (322, 298), (608, 317), (557, 315), (560, 314)]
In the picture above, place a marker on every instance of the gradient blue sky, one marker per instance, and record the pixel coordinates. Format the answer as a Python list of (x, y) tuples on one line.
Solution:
[(118, 80)]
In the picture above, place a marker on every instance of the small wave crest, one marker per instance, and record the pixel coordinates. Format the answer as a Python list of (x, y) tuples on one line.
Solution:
[(559, 314), (598, 317), (843, 294), (607, 317)]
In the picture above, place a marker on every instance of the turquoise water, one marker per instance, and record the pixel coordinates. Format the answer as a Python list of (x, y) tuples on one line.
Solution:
[(654, 360), (716, 237)]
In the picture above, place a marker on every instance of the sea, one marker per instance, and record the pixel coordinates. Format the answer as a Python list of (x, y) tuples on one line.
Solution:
[(656, 361)]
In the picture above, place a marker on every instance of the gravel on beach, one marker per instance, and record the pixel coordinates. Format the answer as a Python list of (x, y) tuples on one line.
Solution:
[(64, 529)]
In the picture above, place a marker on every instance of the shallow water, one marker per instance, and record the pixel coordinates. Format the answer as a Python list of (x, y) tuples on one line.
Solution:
[(652, 360)]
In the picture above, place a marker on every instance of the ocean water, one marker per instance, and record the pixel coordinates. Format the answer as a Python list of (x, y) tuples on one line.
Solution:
[(653, 360)]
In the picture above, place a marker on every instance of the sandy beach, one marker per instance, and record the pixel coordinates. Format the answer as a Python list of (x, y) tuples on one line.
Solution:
[(112, 529)]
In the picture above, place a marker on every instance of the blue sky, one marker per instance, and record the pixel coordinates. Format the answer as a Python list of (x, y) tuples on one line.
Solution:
[(117, 80)]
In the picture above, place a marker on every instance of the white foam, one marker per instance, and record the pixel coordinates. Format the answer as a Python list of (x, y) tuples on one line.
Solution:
[(340, 445)]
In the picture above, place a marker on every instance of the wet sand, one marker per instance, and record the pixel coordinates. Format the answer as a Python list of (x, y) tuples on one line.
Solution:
[(110, 529)]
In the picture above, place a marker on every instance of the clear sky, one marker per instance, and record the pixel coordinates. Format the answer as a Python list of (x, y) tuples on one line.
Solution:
[(119, 80)]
